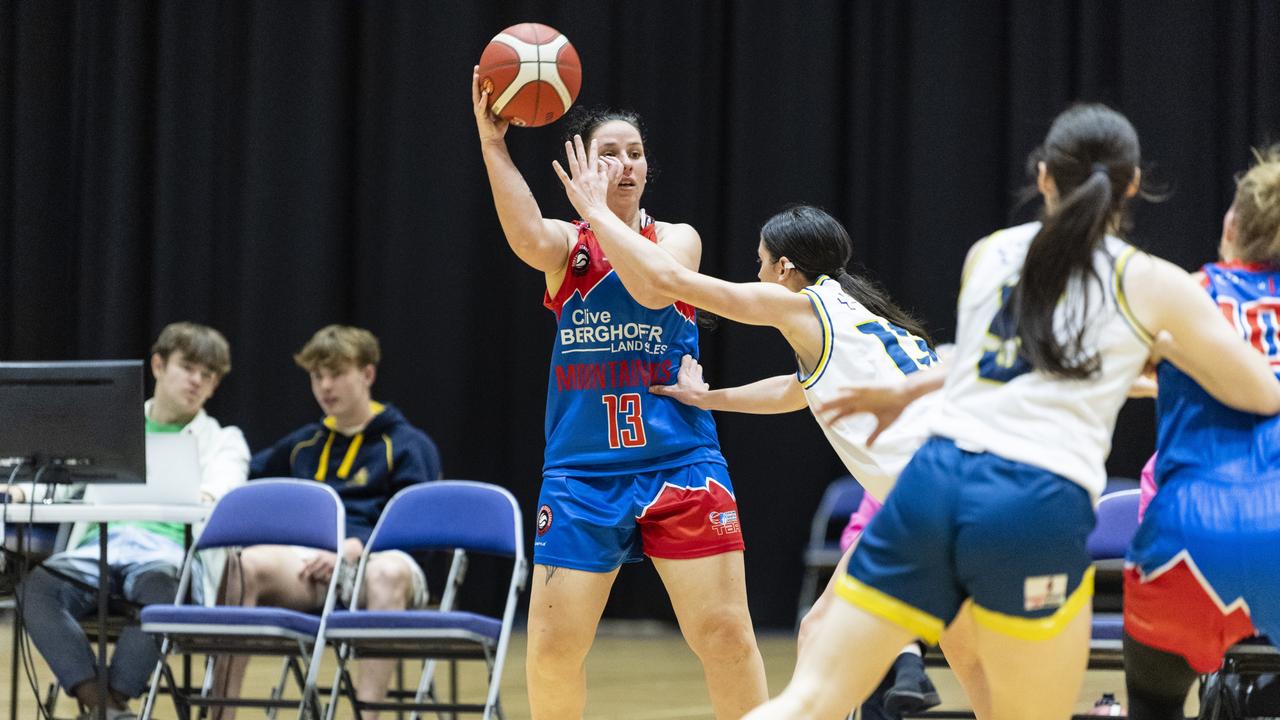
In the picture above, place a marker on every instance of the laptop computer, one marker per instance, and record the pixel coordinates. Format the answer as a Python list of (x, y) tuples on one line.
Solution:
[(173, 476)]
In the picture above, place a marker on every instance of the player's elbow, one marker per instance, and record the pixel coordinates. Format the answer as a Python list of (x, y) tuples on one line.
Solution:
[(1272, 400), (665, 282)]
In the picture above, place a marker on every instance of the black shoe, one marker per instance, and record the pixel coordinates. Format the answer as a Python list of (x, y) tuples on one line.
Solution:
[(911, 691)]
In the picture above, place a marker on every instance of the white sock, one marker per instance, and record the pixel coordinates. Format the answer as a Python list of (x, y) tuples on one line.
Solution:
[(912, 649)]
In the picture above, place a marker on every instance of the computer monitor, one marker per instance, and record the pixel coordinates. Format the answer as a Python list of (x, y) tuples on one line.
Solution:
[(82, 421)]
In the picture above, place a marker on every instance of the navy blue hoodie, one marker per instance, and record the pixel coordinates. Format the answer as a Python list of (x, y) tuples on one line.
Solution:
[(365, 469)]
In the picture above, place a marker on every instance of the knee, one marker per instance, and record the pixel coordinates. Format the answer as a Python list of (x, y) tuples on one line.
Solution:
[(248, 573), (387, 582), (157, 585), (552, 654), (39, 586), (723, 636)]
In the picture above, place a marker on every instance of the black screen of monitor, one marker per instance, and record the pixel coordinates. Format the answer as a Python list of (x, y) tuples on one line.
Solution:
[(82, 421)]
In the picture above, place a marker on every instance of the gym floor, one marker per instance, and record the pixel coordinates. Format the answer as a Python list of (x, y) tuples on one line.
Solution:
[(635, 672)]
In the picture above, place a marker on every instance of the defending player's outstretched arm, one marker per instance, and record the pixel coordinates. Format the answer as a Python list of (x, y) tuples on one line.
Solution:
[(647, 269), (778, 394)]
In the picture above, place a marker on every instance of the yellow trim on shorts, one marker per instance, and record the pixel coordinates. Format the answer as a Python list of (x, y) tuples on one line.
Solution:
[(914, 620), (1122, 302), (1045, 628)]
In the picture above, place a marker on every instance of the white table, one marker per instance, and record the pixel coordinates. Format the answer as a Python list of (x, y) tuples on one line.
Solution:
[(28, 513), (23, 513)]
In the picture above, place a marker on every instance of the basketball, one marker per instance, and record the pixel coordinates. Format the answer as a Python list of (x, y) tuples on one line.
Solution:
[(531, 73)]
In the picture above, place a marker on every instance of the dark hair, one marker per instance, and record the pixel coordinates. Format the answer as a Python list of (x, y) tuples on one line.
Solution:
[(1091, 153), (586, 120), (817, 244)]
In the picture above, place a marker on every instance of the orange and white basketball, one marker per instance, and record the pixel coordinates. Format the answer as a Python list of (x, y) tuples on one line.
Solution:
[(532, 74)]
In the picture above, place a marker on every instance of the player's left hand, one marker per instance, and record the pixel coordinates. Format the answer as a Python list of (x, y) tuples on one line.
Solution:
[(589, 178), (689, 388)]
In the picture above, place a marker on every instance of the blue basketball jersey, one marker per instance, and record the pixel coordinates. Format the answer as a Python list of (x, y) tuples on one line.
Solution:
[(601, 418), (1197, 435)]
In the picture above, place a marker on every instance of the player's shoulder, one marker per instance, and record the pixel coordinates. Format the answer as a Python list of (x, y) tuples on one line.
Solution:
[(674, 231)]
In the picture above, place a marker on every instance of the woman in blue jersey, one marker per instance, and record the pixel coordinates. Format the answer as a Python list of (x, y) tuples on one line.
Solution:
[(1201, 572), (626, 474)]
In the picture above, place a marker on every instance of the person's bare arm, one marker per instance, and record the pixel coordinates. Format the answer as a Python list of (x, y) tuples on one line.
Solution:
[(778, 394), (650, 272), (541, 243), (884, 400), (1164, 298)]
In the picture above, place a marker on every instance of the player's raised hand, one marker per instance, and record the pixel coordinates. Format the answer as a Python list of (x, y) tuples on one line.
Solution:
[(689, 387), (491, 127), (589, 177), (885, 401)]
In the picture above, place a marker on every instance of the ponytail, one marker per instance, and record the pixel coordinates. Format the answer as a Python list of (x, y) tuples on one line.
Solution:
[(1088, 148), (875, 299)]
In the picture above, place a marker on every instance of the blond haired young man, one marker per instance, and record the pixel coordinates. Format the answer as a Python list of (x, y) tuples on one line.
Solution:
[(364, 450)]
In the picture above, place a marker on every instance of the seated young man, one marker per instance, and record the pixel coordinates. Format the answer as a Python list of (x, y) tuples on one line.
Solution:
[(367, 452), (145, 558)]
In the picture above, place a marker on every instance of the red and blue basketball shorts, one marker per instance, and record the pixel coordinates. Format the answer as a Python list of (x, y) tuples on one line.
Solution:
[(1201, 573), (598, 523)]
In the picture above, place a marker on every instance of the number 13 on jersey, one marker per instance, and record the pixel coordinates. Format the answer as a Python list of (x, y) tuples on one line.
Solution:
[(626, 426)]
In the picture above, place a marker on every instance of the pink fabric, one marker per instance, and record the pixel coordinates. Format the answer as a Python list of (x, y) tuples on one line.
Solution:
[(858, 521), (1148, 486)]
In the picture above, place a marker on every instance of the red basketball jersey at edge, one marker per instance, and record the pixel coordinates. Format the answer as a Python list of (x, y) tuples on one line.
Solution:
[(532, 74)]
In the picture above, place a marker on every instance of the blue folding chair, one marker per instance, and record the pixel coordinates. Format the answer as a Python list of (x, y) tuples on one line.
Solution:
[(263, 512), (822, 554), (1117, 514), (455, 515)]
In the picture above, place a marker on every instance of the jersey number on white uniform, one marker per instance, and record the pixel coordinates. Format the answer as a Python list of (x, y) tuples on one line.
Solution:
[(624, 409), (1001, 359), (907, 351)]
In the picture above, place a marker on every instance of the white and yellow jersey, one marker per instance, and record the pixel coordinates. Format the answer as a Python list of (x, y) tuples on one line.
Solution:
[(995, 402), (858, 347)]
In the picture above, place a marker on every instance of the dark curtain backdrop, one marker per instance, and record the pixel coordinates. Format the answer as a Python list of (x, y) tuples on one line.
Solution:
[(271, 167)]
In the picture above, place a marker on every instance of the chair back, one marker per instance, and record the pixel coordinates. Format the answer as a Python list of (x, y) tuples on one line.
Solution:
[(448, 515), (1116, 484), (838, 502), (276, 511), (1117, 523)]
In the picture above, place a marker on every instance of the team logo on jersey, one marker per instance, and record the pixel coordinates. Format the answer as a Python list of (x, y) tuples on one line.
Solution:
[(724, 523), (581, 260), (544, 520), (1044, 592)]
